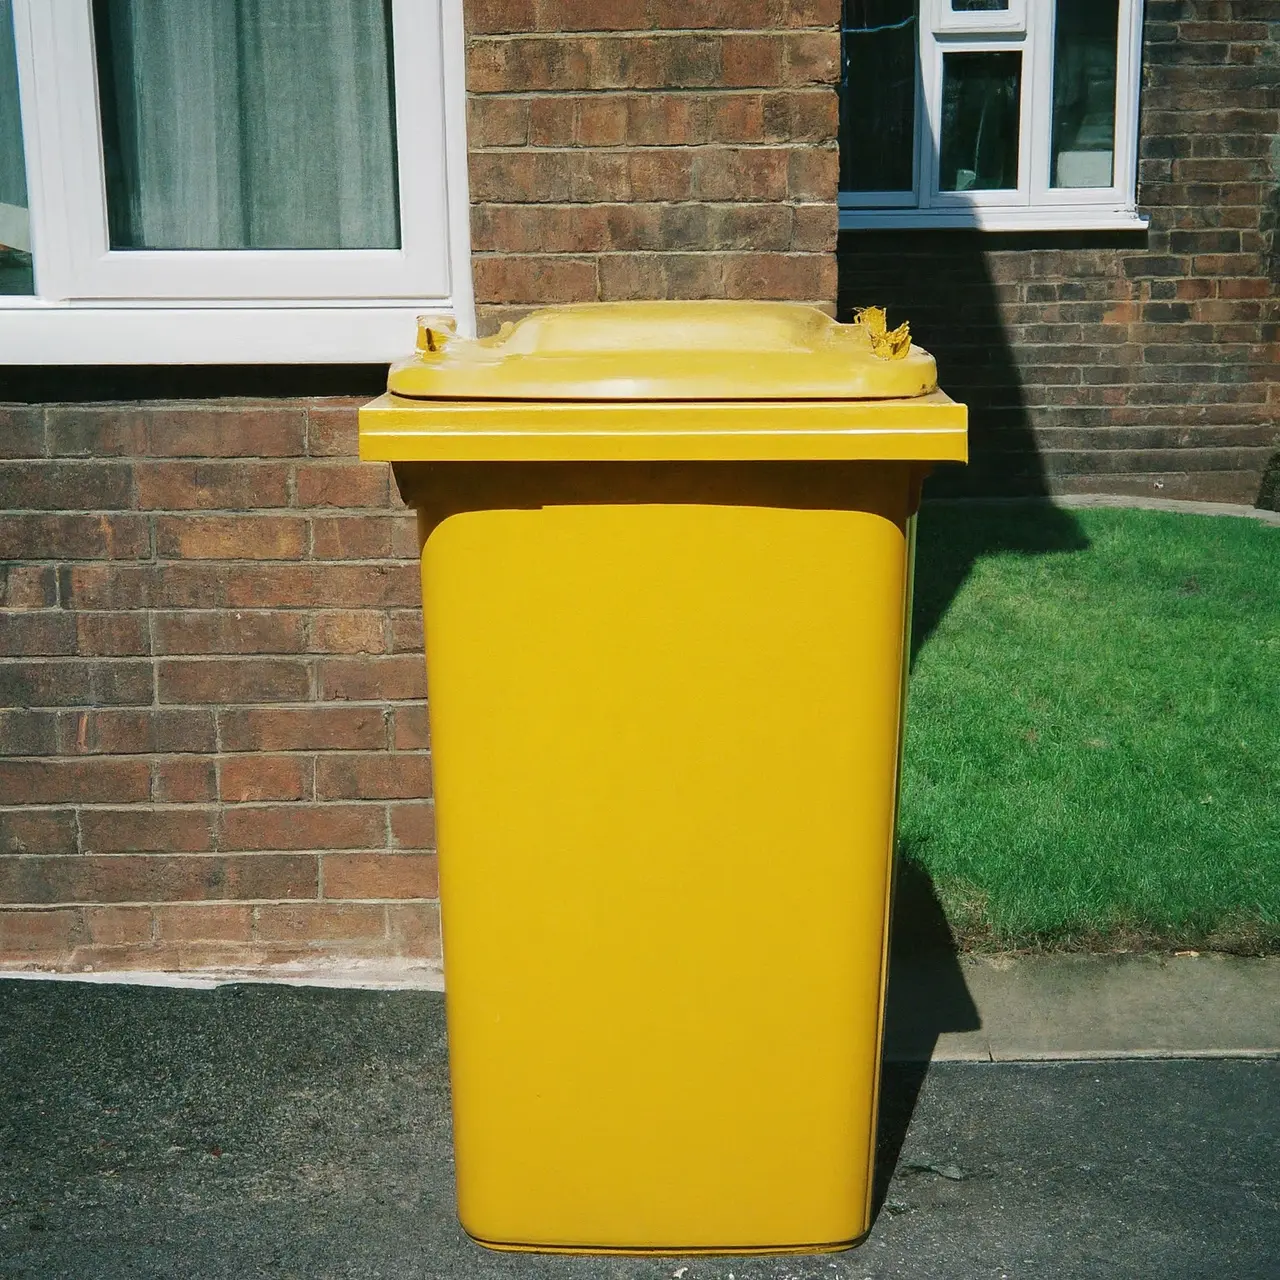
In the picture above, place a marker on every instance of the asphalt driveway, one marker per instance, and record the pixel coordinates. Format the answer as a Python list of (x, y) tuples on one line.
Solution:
[(278, 1131)]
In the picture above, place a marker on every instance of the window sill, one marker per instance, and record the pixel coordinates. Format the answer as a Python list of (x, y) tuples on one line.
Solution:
[(1061, 218), (34, 332)]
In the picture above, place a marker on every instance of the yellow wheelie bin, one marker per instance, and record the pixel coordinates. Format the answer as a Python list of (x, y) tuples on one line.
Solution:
[(666, 555)]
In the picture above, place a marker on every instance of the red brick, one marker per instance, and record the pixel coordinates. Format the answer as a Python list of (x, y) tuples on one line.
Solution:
[(45, 683), (21, 431), (263, 777), (377, 776), (406, 631), (38, 831), (413, 825), (813, 58), (371, 679), (410, 731), (93, 781), (66, 537), (495, 122), (752, 59), (741, 173), (652, 174), (342, 484), (303, 729), (36, 485), (231, 537), (31, 632), (157, 878), (112, 634), (319, 586), (625, 276), (226, 433), (319, 922), (799, 277), (29, 733), (181, 486), (211, 631), (303, 826), (497, 175), (118, 926), (96, 431), (541, 279), (120, 682), (813, 116), (230, 680), (414, 929), (142, 829), (1245, 288), (500, 15), (664, 119), (134, 732), (348, 631), (813, 173), (332, 427), (353, 537), (107, 586), (183, 780), (219, 923), (814, 228), (38, 934), (380, 875), (27, 586)]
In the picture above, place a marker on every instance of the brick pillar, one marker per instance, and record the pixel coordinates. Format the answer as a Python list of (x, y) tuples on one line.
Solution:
[(630, 149)]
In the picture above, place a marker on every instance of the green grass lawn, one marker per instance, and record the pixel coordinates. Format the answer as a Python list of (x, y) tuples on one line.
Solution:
[(1093, 738)]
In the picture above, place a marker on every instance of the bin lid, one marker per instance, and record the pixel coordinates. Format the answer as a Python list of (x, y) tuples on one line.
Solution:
[(667, 351)]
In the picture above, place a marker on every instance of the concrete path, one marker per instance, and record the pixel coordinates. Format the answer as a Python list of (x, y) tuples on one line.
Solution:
[(266, 1130), (1181, 506), (1028, 1008), (957, 1008)]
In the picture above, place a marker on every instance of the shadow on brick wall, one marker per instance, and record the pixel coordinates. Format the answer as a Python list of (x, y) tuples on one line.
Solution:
[(940, 282)]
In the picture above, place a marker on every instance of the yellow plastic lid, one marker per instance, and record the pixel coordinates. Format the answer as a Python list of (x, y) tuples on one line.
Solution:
[(663, 351)]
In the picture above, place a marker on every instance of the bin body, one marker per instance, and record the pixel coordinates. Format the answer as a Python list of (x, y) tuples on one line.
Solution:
[(665, 704)]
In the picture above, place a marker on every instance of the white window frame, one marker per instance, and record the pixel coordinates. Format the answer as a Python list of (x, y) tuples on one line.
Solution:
[(95, 305), (1027, 25)]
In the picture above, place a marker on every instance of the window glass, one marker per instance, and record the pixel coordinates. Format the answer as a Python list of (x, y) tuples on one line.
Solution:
[(1084, 93), (247, 124), (15, 233), (978, 6), (878, 101), (980, 101)]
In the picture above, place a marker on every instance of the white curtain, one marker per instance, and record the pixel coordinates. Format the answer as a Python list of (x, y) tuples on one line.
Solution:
[(234, 124), (14, 232)]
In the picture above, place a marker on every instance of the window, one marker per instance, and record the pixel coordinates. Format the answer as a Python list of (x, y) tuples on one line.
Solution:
[(990, 113), (228, 180)]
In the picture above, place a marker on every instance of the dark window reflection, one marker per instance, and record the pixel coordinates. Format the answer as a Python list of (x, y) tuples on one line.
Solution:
[(980, 107), (878, 96)]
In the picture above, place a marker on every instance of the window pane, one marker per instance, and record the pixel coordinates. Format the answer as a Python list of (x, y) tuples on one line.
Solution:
[(980, 95), (978, 6), (15, 231), (878, 96), (1084, 93), (248, 124)]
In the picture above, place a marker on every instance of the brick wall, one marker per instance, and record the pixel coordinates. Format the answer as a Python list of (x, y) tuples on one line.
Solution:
[(214, 740), (652, 149), (1107, 363)]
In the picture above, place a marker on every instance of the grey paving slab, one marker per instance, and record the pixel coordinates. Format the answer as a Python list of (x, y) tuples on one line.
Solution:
[(1020, 1008), (279, 1131)]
